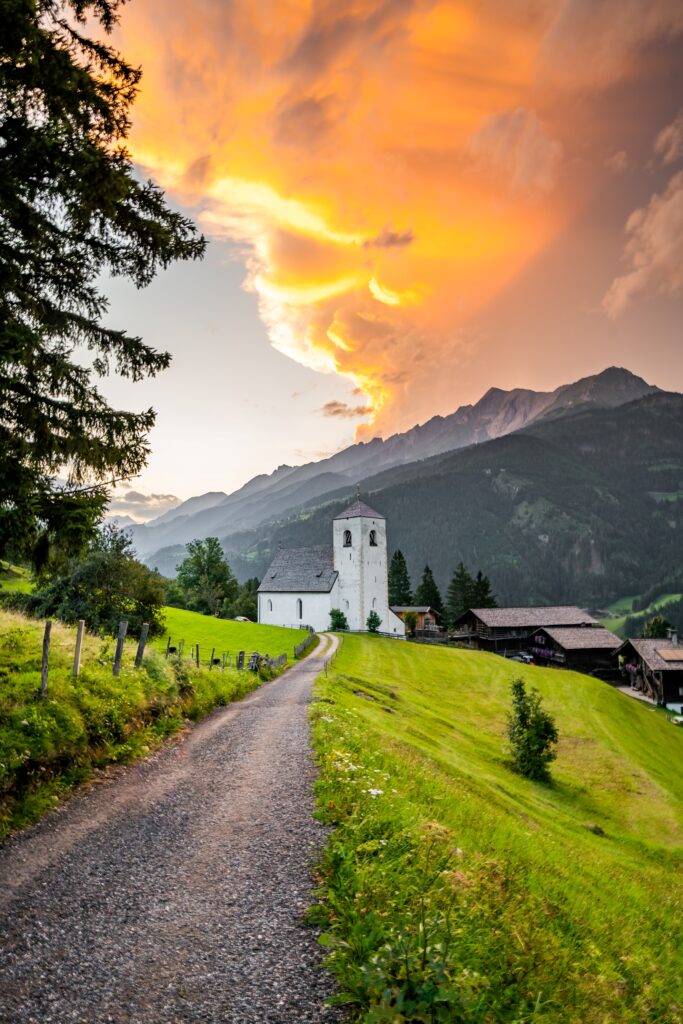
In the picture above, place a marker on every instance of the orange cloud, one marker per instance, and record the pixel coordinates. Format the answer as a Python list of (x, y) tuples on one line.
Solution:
[(386, 166)]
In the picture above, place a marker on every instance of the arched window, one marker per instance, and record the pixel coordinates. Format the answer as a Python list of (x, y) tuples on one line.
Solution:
[(299, 607), (270, 605), (347, 538), (373, 538), (374, 602)]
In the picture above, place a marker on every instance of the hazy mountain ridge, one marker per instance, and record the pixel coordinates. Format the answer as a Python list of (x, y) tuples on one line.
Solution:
[(496, 414), (580, 508)]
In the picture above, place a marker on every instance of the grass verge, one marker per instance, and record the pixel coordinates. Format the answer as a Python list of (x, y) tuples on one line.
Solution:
[(49, 745), (454, 891)]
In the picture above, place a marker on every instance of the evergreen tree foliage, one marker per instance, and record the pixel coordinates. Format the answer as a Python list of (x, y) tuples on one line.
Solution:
[(482, 595), (71, 209), (427, 592), (338, 620), (206, 578), (103, 587), (245, 602), (656, 628), (532, 734), (460, 594), (373, 621), (400, 592), (410, 620)]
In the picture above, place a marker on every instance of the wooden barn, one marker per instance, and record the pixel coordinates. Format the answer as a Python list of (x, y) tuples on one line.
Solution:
[(655, 667), (581, 648), (427, 619), (506, 630)]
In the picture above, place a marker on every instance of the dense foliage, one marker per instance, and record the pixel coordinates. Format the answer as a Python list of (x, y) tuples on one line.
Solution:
[(532, 734), (205, 578), (337, 619), (71, 209), (671, 612), (400, 590), (102, 587), (427, 593), (373, 621), (467, 591)]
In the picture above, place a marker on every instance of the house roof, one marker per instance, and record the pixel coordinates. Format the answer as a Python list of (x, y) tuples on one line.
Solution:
[(555, 615), (580, 638), (359, 509), (649, 651), (300, 570), (421, 609)]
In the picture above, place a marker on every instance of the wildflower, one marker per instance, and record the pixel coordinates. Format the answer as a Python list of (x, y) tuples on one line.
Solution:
[(375, 792)]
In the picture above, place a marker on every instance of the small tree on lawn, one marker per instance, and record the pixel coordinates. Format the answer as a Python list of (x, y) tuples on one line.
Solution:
[(373, 621), (410, 621), (338, 619), (532, 734)]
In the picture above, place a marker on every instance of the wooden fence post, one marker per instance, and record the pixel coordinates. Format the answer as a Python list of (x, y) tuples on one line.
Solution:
[(168, 644), (79, 644), (213, 651), (141, 644), (46, 657), (123, 629), (196, 652)]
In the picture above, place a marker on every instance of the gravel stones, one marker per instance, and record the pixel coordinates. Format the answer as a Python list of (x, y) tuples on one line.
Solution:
[(174, 892)]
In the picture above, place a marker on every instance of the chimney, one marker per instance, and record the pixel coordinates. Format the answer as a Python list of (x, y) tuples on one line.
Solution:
[(672, 636)]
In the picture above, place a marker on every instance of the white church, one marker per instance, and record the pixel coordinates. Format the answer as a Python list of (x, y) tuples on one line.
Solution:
[(302, 585)]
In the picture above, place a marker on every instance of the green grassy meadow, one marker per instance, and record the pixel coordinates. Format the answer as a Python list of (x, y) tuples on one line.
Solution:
[(13, 579), (455, 890), (226, 635), (48, 746), (621, 609)]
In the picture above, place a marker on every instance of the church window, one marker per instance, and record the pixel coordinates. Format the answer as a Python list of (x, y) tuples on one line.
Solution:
[(373, 538), (300, 608), (374, 602), (270, 605), (347, 538)]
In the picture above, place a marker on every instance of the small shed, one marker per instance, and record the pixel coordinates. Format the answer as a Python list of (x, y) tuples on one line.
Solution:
[(581, 648), (655, 667), (427, 619)]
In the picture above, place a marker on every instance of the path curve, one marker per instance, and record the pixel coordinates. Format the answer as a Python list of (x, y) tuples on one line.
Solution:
[(174, 892)]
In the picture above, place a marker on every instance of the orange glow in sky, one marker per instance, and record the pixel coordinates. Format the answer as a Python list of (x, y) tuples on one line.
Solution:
[(386, 168)]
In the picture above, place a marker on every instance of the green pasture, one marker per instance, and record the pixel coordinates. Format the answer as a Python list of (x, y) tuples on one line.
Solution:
[(14, 579), (226, 635), (622, 608), (455, 890)]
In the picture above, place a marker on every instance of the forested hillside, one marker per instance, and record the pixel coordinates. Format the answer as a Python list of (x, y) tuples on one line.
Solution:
[(583, 508)]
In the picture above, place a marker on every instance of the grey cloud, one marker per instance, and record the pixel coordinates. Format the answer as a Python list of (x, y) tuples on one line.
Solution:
[(388, 239), (669, 143), (345, 411)]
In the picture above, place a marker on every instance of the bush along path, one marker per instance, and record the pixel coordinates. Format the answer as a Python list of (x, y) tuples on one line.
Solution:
[(175, 892)]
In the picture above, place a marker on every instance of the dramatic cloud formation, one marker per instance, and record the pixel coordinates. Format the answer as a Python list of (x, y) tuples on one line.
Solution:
[(654, 250), (669, 142), (344, 410), (386, 167)]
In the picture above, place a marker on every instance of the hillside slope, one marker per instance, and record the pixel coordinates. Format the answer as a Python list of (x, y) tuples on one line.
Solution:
[(496, 414), (568, 510), (451, 878)]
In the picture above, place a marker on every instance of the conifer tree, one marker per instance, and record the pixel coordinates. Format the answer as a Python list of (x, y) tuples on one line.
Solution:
[(72, 208), (482, 594), (427, 592), (460, 594), (399, 580)]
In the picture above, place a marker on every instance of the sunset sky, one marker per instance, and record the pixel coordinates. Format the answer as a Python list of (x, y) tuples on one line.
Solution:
[(407, 203)]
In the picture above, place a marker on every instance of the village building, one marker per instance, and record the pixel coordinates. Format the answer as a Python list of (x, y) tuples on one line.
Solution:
[(580, 648), (426, 618), (655, 668), (506, 630), (303, 585)]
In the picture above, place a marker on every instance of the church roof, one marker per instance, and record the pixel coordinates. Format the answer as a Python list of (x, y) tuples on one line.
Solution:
[(301, 570), (359, 509)]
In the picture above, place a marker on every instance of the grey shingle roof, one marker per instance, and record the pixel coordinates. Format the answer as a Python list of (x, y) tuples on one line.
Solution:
[(421, 608), (516, 618), (649, 652), (578, 638), (301, 570), (359, 508)]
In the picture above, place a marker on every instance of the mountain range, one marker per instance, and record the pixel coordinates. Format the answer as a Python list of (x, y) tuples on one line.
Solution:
[(284, 493)]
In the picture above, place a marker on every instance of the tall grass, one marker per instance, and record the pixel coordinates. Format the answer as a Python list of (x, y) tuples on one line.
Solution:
[(454, 890)]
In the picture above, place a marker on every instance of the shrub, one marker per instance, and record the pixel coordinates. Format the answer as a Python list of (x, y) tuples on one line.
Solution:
[(532, 733), (373, 621), (338, 619)]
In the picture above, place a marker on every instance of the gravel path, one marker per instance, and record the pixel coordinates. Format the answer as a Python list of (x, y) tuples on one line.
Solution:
[(174, 892)]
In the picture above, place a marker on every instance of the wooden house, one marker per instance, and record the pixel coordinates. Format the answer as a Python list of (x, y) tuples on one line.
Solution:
[(655, 667), (588, 649), (427, 619), (506, 630)]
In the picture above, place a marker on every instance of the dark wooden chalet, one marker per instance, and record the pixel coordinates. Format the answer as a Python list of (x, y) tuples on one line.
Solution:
[(506, 630), (588, 649), (655, 667)]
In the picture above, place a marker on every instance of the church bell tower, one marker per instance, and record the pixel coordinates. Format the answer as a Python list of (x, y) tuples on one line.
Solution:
[(360, 558)]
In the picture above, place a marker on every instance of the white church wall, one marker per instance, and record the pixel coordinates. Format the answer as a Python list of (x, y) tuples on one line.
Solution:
[(362, 569), (283, 610)]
